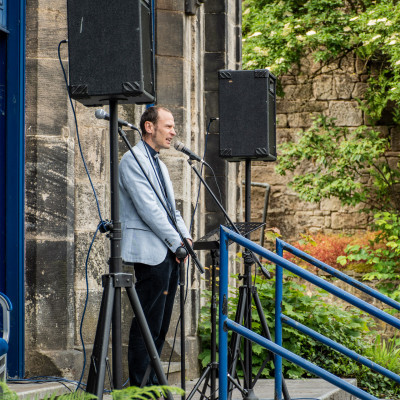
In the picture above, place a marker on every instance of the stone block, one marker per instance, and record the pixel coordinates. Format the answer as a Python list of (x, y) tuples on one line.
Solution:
[(215, 6), (49, 276), (288, 80), (219, 192), (179, 172), (298, 92), (170, 33), (344, 86), (215, 26), (95, 149), (300, 120), (87, 217), (346, 113), (171, 5), (281, 121), (331, 204), (92, 313), (50, 201), (361, 66), (211, 106), (46, 27), (213, 220), (323, 88), (212, 63), (97, 263), (306, 219), (359, 90), (295, 106), (171, 81), (48, 98), (212, 155), (395, 138), (284, 135), (346, 221)]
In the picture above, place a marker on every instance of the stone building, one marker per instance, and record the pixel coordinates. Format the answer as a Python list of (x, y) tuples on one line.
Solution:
[(194, 39)]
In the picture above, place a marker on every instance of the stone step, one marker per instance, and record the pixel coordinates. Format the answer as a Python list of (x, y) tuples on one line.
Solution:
[(312, 389)]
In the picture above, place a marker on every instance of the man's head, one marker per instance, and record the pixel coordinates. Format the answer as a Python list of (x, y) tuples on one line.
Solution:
[(158, 127)]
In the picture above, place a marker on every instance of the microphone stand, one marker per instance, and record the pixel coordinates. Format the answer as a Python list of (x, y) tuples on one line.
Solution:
[(190, 162)]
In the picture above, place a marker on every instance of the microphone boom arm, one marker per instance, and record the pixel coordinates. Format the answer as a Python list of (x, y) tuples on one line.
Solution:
[(190, 162)]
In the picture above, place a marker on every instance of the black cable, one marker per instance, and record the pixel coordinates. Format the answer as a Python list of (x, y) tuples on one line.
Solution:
[(102, 226), (77, 131)]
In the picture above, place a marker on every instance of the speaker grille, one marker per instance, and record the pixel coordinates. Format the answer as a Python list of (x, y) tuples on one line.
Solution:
[(110, 51), (247, 115)]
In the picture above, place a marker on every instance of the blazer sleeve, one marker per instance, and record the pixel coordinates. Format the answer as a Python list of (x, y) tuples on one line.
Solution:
[(147, 204)]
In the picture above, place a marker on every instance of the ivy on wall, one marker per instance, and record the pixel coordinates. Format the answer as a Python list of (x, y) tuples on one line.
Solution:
[(278, 34)]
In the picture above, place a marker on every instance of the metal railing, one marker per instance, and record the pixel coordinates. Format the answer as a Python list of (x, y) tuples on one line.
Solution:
[(225, 323)]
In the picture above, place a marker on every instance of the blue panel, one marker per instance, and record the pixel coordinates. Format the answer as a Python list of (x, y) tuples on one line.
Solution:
[(15, 167), (3, 14), (2, 159)]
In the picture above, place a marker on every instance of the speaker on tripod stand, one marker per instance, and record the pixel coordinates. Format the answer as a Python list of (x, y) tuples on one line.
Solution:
[(111, 61), (247, 114)]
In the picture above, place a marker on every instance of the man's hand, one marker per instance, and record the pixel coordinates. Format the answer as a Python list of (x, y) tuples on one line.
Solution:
[(191, 245)]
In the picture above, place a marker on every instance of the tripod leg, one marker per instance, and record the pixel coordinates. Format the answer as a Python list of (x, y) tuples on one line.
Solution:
[(235, 338), (148, 340), (95, 383), (267, 334), (204, 376), (117, 340)]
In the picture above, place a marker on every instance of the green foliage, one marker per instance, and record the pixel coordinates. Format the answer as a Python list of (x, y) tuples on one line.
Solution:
[(386, 353), (382, 253), (6, 393), (145, 393), (349, 165), (129, 393), (351, 329), (277, 34)]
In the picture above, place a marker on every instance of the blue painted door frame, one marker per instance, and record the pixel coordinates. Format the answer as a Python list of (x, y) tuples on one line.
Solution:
[(12, 171)]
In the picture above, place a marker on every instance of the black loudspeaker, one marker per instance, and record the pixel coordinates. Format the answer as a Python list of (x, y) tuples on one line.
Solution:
[(111, 54), (247, 115)]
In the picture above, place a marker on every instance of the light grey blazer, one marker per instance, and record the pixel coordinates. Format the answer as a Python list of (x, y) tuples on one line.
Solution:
[(146, 231)]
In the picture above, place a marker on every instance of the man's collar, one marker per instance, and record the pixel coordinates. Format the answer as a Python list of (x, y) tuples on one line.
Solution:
[(153, 152)]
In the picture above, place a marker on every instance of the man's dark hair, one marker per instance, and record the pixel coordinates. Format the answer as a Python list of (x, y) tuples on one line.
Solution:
[(151, 115)]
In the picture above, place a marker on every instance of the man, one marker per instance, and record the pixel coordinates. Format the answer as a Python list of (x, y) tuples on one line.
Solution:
[(149, 239)]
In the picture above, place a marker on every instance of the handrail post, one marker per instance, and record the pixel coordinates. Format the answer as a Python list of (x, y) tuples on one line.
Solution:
[(223, 316), (278, 322)]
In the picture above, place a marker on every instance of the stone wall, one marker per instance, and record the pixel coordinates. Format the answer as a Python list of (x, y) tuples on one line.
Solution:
[(311, 91), (61, 211)]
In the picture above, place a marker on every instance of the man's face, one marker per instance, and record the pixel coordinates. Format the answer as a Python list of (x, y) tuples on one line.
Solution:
[(159, 136)]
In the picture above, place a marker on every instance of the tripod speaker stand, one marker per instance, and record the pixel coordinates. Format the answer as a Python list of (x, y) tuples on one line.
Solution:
[(247, 293)]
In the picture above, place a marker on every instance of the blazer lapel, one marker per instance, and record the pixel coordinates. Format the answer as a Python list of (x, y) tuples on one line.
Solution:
[(151, 172)]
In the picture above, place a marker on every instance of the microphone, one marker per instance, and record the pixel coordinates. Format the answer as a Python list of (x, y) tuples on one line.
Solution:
[(101, 114), (181, 147)]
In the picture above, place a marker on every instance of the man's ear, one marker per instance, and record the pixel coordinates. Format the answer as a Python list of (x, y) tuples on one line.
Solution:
[(148, 126)]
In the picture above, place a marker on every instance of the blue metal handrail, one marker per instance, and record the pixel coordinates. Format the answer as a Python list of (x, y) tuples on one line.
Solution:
[(225, 323)]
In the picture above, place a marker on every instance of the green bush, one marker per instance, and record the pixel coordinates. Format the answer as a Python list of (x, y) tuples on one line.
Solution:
[(382, 254)]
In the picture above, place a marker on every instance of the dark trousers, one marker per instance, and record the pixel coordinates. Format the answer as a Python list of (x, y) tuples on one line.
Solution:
[(156, 287)]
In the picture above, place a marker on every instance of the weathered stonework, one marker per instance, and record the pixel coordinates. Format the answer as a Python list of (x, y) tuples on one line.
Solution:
[(332, 92)]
